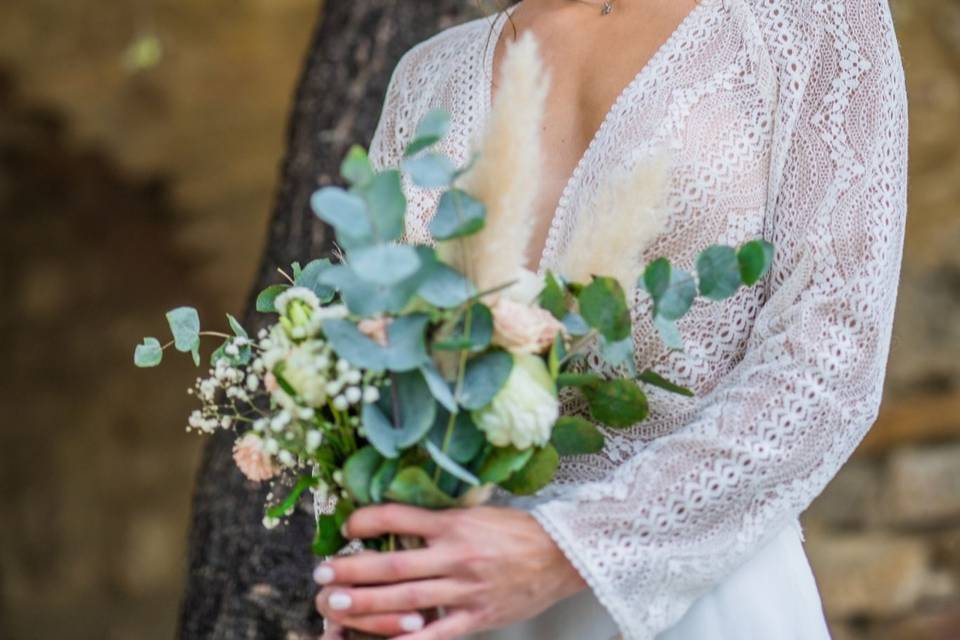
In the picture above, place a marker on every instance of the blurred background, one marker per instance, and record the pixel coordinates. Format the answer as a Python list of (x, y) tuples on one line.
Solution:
[(139, 151)]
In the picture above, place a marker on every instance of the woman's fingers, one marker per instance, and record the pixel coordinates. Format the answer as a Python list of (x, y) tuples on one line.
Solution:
[(384, 624), (382, 568), (331, 631), (340, 602), (450, 627), (370, 522)]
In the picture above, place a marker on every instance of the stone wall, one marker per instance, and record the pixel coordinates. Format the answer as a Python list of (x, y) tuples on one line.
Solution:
[(128, 188)]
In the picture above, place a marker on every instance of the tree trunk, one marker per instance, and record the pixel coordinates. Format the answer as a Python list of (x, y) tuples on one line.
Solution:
[(245, 581)]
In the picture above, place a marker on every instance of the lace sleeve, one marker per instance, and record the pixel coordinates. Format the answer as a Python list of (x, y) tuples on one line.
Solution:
[(687, 508), (386, 147)]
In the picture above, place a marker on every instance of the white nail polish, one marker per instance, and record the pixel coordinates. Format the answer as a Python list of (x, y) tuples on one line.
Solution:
[(323, 574), (411, 623), (340, 601)]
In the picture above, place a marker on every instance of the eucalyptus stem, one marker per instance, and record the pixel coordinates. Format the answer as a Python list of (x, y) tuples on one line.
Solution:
[(457, 389), (579, 344)]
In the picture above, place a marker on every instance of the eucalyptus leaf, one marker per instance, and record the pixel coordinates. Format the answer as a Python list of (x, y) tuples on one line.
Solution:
[(386, 204), (439, 387), (382, 478), (367, 298), (237, 328), (385, 264), (536, 474), (571, 379), (405, 348), (449, 465), (413, 486), (656, 278), (575, 324), (328, 540), (485, 375), (185, 326), (616, 403), (755, 258), (445, 287), (310, 278), (379, 431), (604, 306), (573, 436), (458, 214), (480, 331), (416, 408), (552, 297), (464, 440), (344, 211), (431, 129), (429, 170), (267, 298), (678, 297), (668, 333), (719, 272), (655, 379), (502, 463), (619, 353), (148, 354), (356, 168), (358, 471)]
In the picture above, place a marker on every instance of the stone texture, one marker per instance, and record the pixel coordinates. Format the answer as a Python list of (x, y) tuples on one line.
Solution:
[(939, 624), (869, 574), (923, 486), (851, 498)]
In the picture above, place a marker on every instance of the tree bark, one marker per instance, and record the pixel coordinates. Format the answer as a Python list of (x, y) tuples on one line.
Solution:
[(243, 580)]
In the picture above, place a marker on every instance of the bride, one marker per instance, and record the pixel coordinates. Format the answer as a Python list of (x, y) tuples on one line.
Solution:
[(787, 119)]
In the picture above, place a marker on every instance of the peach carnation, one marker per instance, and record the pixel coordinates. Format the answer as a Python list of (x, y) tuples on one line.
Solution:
[(252, 459), (375, 329), (522, 328)]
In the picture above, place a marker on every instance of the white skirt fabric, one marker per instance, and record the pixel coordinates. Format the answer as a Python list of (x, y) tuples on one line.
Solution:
[(773, 596)]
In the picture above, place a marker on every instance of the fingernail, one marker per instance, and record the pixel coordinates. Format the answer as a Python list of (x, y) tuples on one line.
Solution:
[(340, 601), (411, 623), (343, 530), (323, 574)]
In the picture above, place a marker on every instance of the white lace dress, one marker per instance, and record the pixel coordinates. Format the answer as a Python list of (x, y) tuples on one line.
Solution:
[(788, 121)]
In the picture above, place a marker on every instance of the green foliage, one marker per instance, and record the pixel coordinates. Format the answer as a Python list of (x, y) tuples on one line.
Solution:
[(384, 475), (619, 353), (411, 420), (328, 539), (439, 387), (185, 326), (575, 324), (356, 168), (502, 463), (236, 327), (405, 350), (288, 504), (309, 278), (484, 377), (553, 298), (616, 403), (386, 205), (444, 287), (655, 379), (346, 212), (148, 354), (480, 333), (429, 170), (449, 465), (358, 471), (413, 486), (431, 129), (604, 307), (385, 264), (458, 214), (755, 258), (267, 298), (719, 272), (464, 440), (535, 474), (573, 435)]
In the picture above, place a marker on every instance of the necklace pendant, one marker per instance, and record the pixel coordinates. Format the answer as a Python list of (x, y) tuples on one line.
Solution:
[(606, 8)]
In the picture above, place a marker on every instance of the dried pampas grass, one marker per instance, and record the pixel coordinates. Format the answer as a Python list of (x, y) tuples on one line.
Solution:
[(506, 174), (623, 219)]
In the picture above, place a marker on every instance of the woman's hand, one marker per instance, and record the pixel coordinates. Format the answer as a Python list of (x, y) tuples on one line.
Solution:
[(486, 567)]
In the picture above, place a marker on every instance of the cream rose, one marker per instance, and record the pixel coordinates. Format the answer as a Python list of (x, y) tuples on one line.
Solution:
[(524, 410), (522, 328)]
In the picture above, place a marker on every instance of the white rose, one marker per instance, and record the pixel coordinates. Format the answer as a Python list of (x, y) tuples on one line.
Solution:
[(524, 410), (522, 328), (527, 287)]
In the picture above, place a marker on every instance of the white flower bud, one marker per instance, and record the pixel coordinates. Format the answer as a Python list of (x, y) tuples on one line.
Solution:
[(340, 403), (353, 395), (371, 394)]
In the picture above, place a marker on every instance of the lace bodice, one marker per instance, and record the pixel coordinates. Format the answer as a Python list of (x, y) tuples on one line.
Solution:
[(787, 119)]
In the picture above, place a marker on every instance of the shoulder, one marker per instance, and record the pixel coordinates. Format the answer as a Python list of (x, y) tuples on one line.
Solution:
[(787, 24), (434, 59)]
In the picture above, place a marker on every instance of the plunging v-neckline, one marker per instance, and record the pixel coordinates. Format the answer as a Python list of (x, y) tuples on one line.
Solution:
[(561, 211)]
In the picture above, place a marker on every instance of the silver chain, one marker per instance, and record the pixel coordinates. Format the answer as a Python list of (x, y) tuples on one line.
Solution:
[(606, 6)]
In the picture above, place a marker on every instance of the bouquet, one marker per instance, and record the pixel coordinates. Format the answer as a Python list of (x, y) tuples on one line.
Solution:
[(428, 375)]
